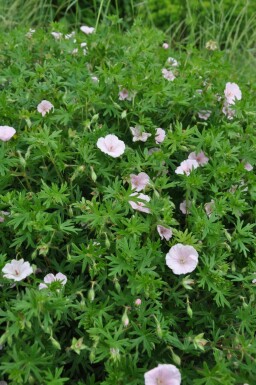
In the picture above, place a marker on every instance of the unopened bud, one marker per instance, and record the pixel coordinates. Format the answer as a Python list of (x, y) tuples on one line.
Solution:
[(107, 242), (93, 174), (175, 357), (91, 293), (125, 319), (114, 354), (187, 282), (189, 311), (117, 285), (55, 343), (137, 302)]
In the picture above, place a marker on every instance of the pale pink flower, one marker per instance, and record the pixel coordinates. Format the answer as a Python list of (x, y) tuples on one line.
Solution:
[(111, 145), (56, 35), (95, 79), (201, 158), (209, 207), (232, 93), (160, 135), (229, 112), (49, 278), (30, 33), (140, 206), (163, 374), (165, 45), (70, 35), (140, 181), (204, 114), (184, 207), (182, 259), (138, 302), (138, 134), (124, 95), (173, 62), (3, 214), (187, 166), (87, 30), (17, 270), (168, 75), (248, 166), (44, 107), (75, 51), (164, 232), (6, 133)]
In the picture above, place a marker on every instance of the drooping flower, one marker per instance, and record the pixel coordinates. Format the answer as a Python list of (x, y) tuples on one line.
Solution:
[(204, 114), (87, 30), (56, 35), (187, 166), (182, 259), (165, 45), (164, 232), (124, 94), (49, 278), (6, 133), (140, 181), (248, 166), (209, 207), (160, 135), (184, 207), (168, 75), (232, 93), (17, 270), (173, 62), (111, 145), (138, 135), (211, 45), (201, 158), (163, 374), (140, 206), (44, 107), (229, 112)]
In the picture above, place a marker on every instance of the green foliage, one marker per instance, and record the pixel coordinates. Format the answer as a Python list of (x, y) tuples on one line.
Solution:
[(69, 211)]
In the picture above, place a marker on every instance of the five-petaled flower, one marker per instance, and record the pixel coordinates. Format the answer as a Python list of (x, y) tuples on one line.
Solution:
[(182, 259), (17, 270), (140, 206), (163, 374), (187, 166), (138, 134), (160, 135), (111, 145), (87, 30), (168, 75), (232, 93), (44, 107), (164, 232), (49, 278), (204, 114), (140, 181), (6, 133), (124, 94), (173, 62), (201, 158)]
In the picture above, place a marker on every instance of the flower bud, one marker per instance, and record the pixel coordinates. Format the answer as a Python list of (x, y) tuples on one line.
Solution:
[(107, 242), (137, 302), (93, 175), (55, 343), (114, 354), (176, 359), (117, 285), (125, 319), (189, 311)]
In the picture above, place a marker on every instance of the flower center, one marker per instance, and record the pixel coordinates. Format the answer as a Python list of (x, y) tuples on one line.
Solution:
[(182, 261), (16, 272), (159, 381)]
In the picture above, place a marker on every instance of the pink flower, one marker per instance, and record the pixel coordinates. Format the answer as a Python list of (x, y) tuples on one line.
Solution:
[(49, 278), (87, 30), (17, 270), (44, 107), (111, 145), (201, 158), (140, 206), (229, 112), (209, 207), (138, 134), (138, 302), (184, 207), (165, 46), (232, 92), (173, 62), (140, 181), (160, 135), (164, 232), (248, 166), (204, 114), (187, 166), (163, 374), (182, 259), (3, 214), (95, 79), (6, 133), (56, 35), (124, 94), (169, 75)]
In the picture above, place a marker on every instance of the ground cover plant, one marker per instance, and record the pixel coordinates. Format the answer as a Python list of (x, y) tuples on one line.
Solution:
[(127, 198)]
